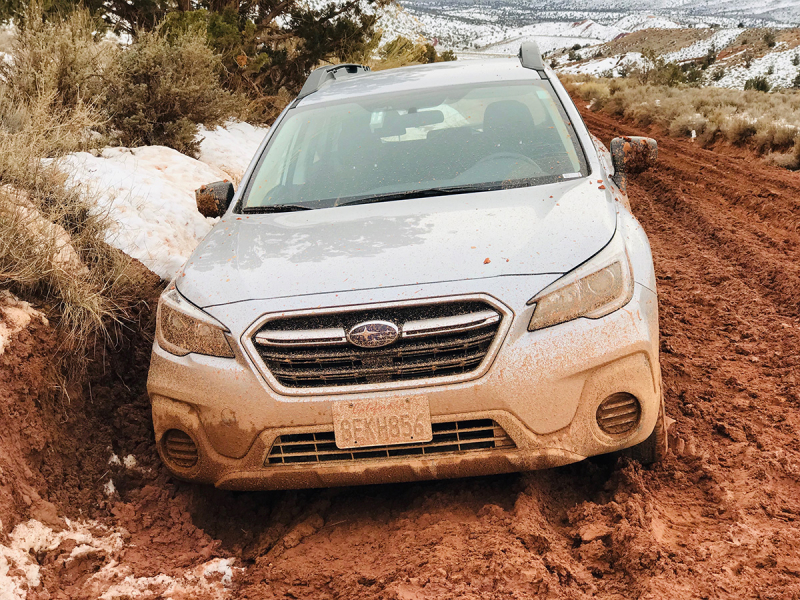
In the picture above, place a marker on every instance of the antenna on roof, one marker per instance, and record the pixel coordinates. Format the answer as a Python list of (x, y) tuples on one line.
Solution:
[(531, 58)]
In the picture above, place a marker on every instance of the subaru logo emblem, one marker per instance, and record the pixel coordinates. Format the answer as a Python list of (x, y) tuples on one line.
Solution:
[(373, 334)]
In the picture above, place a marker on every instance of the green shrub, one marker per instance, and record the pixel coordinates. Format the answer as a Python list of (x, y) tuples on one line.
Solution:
[(429, 56), (402, 51), (758, 83), (656, 71), (709, 59), (769, 38), (164, 85)]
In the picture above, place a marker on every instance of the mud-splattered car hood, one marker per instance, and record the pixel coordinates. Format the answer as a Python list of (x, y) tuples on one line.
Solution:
[(524, 231)]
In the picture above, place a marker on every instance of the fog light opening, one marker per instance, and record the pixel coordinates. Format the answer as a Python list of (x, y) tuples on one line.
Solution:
[(619, 413), (179, 449)]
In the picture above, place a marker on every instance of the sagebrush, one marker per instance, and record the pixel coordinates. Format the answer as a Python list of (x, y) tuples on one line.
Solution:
[(768, 123), (163, 86)]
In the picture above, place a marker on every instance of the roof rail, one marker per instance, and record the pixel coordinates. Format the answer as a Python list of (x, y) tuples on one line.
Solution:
[(322, 75), (531, 58)]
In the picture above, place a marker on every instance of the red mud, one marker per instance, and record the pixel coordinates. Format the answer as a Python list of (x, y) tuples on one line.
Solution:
[(720, 518)]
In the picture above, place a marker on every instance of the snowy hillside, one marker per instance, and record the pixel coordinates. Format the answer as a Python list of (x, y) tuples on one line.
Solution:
[(549, 36), (738, 56), (784, 11), (495, 26)]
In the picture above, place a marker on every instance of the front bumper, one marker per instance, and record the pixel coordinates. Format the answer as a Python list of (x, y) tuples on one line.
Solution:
[(543, 389)]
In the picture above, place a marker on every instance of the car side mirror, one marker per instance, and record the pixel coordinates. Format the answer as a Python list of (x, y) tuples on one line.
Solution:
[(214, 199), (632, 155)]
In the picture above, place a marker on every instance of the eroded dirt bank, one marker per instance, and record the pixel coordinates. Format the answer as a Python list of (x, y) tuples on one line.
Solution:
[(719, 519)]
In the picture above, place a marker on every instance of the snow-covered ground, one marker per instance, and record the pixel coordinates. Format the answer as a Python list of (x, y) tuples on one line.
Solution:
[(777, 66), (603, 67), (720, 40), (396, 21), (549, 36), (640, 21), (230, 147), (148, 192), (495, 27), (780, 63)]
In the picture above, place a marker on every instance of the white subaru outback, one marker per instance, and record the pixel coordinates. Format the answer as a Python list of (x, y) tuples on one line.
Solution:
[(426, 272)]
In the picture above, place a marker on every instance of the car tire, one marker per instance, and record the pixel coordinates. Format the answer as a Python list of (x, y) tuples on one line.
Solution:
[(654, 448)]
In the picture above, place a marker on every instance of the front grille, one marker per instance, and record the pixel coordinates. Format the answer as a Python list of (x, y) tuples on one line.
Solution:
[(434, 340), (448, 438)]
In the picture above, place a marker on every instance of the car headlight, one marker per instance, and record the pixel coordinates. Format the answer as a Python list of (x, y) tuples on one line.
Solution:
[(598, 287), (182, 328)]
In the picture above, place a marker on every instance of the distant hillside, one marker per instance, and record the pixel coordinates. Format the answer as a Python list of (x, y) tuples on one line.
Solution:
[(754, 12), (487, 25), (720, 57)]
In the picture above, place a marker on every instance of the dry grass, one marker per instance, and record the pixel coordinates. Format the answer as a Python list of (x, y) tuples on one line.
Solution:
[(768, 123), (69, 90), (52, 248), (66, 61)]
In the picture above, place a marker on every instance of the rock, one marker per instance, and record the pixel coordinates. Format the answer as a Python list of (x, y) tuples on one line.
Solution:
[(594, 531)]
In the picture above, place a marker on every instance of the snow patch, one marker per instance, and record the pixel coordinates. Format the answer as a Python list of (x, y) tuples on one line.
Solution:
[(782, 75), (718, 41), (548, 36), (149, 194), (613, 65), (117, 583), (231, 147), (636, 22)]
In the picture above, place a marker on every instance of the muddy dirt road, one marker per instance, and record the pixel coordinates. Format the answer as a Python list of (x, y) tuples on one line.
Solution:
[(719, 519)]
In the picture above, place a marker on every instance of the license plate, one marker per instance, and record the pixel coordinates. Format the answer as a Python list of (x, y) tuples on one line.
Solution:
[(365, 423)]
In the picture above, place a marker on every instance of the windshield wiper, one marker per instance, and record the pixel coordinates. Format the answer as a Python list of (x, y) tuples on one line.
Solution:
[(426, 193), (275, 208)]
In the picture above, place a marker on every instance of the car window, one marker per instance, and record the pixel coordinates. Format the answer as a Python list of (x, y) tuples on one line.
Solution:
[(486, 137)]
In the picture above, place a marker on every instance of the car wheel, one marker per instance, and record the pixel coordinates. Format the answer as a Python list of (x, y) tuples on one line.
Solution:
[(654, 448)]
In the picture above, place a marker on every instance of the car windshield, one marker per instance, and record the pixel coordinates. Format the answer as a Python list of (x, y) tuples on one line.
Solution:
[(389, 147)]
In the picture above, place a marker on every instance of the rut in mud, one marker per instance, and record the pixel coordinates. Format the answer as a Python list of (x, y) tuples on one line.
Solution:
[(719, 519)]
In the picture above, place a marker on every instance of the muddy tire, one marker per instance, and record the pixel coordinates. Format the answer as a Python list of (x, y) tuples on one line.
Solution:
[(654, 448)]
